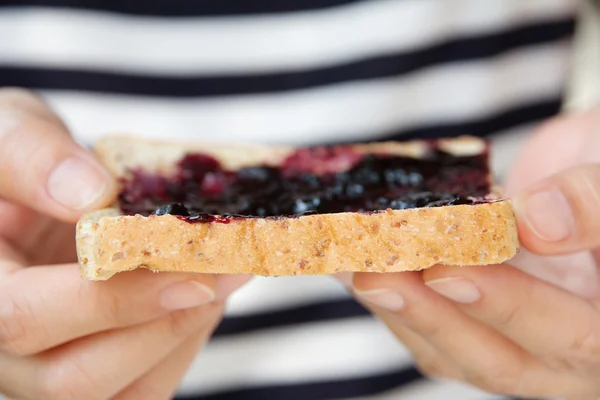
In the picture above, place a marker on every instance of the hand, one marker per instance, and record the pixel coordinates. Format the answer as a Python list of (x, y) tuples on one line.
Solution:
[(502, 328), (62, 337)]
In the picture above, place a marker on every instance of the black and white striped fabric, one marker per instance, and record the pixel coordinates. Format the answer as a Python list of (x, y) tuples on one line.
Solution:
[(294, 72)]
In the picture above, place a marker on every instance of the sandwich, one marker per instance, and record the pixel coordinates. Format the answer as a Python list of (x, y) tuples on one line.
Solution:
[(274, 210)]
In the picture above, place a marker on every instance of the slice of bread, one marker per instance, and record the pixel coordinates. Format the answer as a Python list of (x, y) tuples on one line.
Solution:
[(387, 241)]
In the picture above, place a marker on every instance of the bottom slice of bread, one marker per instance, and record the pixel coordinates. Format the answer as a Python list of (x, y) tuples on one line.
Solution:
[(388, 241)]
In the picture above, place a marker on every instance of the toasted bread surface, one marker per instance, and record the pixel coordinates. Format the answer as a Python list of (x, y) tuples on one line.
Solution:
[(387, 241)]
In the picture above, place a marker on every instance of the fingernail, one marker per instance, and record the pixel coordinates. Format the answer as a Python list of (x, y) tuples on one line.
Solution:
[(186, 295), (384, 298), (77, 184), (456, 289), (547, 213)]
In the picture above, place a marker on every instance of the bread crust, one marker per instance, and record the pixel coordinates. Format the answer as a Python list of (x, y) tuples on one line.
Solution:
[(388, 241)]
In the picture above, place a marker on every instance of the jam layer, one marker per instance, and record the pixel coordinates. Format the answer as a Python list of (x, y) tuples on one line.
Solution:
[(316, 180)]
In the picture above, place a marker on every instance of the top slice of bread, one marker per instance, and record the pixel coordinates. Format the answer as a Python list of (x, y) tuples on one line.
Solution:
[(389, 241)]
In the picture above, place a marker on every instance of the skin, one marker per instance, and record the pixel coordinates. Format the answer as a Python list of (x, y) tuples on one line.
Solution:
[(541, 340), (526, 328), (61, 337)]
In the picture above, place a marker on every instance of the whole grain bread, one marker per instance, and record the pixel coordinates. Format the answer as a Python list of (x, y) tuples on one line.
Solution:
[(389, 241)]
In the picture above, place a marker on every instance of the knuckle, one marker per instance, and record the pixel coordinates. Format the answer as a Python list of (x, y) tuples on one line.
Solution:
[(20, 99), (179, 323), (53, 391), (512, 313), (182, 323), (508, 317), (582, 353), (147, 390), (27, 142), (428, 328), (67, 380), (431, 330), (13, 330), (112, 307), (13, 93), (19, 104), (586, 344), (434, 367), (498, 378)]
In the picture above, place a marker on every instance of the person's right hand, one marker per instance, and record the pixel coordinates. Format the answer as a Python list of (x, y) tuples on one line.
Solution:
[(61, 337)]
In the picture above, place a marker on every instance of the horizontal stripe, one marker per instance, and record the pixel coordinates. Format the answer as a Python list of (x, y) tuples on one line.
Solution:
[(442, 96), (334, 389), (504, 120), (381, 67), (437, 390), (267, 295), (184, 8), (319, 351), (322, 311), (325, 311), (233, 46)]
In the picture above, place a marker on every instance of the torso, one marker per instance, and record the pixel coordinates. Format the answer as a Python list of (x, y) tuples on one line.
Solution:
[(312, 71)]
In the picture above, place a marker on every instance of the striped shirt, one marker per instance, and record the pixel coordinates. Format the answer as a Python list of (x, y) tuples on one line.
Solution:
[(295, 72)]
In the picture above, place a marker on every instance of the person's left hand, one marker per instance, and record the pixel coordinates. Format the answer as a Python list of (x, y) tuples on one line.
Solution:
[(519, 331)]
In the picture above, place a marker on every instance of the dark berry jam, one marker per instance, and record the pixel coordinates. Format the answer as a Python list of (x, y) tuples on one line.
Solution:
[(319, 180)]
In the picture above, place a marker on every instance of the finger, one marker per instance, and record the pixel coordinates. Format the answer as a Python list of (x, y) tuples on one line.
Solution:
[(429, 359), (22, 226), (19, 385), (32, 239), (576, 273), (561, 214), (162, 381), (44, 307), (576, 134), (225, 285), (553, 325), (345, 278), (23, 101), (42, 167), (115, 359), (487, 359), (100, 366), (10, 260)]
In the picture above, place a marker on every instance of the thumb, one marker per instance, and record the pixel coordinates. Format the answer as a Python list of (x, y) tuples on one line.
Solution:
[(41, 165), (561, 214)]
